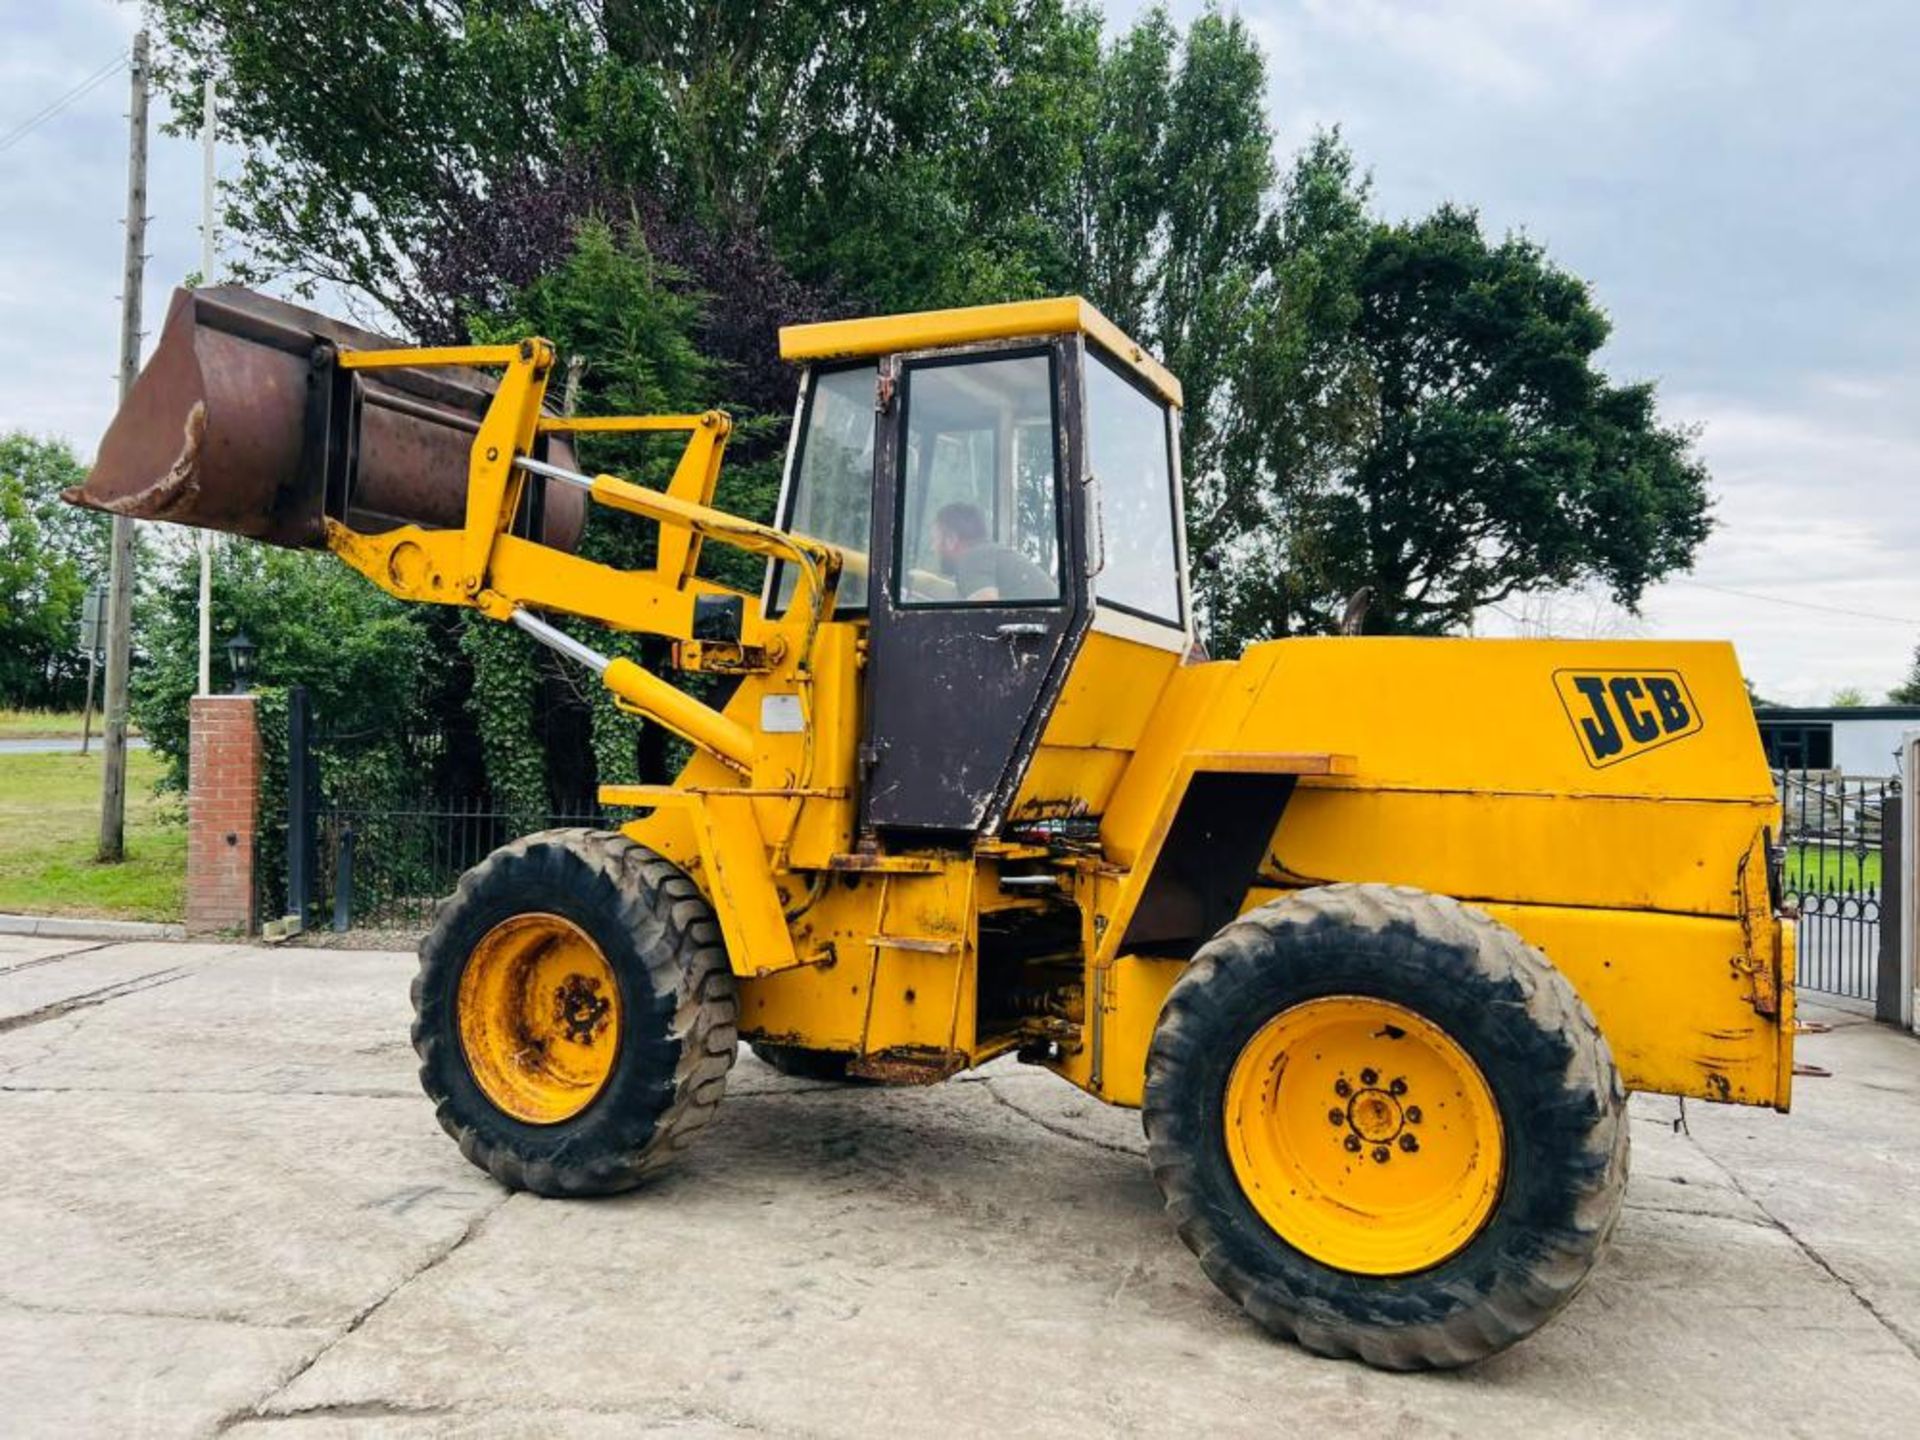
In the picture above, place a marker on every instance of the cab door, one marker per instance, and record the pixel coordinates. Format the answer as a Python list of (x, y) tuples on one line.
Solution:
[(970, 637)]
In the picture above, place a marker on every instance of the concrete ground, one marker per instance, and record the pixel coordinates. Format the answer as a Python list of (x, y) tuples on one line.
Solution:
[(226, 1209)]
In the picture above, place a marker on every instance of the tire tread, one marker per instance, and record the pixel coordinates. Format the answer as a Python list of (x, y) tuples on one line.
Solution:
[(687, 977), (1535, 1281)]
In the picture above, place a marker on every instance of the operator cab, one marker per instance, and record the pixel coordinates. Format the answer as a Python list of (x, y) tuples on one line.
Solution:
[(1003, 479)]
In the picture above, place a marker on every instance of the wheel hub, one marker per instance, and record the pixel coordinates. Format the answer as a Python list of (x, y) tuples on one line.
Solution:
[(1364, 1135), (1375, 1116), (539, 1012), (580, 1007)]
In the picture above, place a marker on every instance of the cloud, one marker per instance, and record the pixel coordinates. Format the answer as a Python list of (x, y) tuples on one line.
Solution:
[(1495, 50), (1837, 458), (1737, 182), (1816, 508), (63, 187), (1811, 570)]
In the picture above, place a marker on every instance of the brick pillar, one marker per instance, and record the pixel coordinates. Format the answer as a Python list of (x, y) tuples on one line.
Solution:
[(223, 789)]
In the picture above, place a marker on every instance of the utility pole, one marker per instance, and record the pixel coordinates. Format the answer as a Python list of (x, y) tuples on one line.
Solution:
[(206, 278), (92, 623), (113, 733), (86, 715)]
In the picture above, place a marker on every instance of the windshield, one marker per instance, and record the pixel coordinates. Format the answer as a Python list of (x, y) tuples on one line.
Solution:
[(832, 497), (978, 519)]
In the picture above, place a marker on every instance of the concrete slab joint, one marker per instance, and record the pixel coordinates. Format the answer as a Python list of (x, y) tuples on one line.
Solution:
[(223, 797)]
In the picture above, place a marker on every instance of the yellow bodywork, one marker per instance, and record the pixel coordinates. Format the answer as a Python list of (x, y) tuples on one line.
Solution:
[(1644, 881), (1629, 842), (973, 325)]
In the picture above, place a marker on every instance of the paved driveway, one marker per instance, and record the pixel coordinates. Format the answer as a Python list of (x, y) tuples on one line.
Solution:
[(226, 1209)]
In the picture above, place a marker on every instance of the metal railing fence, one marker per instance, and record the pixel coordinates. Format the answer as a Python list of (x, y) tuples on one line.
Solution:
[(1831, 831)]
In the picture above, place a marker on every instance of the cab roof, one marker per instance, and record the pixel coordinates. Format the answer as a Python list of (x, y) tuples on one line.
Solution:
[(971, 325)]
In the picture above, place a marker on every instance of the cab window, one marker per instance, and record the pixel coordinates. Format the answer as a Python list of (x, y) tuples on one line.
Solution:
[(979, 517), (1130, 453), (832, 493)]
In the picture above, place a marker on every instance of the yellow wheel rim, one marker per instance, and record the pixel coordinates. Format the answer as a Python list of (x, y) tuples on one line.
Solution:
[(1364, 1135), (539, 1018)]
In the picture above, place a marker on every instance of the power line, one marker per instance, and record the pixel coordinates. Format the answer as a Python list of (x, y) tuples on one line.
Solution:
[(35, 121), (1798, 604)]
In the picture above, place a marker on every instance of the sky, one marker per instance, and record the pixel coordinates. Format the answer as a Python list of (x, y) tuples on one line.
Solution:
[(1736, 181)]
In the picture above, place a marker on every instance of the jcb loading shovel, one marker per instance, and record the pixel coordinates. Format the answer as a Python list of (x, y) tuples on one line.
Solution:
[(1377, 933)]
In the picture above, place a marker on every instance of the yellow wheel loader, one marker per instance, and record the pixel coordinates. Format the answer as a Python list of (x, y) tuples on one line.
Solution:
[(1377, 934)]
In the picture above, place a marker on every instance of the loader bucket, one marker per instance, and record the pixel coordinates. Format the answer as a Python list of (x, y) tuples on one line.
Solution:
[(241, 423)]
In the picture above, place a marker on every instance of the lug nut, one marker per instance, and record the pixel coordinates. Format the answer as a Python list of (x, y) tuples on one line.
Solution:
[(1342, 1088), (1409, 1143), (1353, 1142), (1336, 1117), (1413, 1114), (1398, 1087), (1382, 1154), (1369, 1077)]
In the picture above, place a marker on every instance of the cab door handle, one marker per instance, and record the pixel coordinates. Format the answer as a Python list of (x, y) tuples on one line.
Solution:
[(1021, 630)]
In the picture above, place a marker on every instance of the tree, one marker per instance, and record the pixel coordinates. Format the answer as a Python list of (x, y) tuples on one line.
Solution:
[(1849, 697), (372, 664), (738, 290), (1169, 224), (919, 145), (49, 553), (1437, 431), (363, 122), (1413, 409), (613, 304), (1218, 168), (1260, 520), (936, 148), (1907, 692), (1116, 220)]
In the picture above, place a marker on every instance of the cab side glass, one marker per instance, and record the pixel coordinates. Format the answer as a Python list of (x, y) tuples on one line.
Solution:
[(832, 497), (979, 516), (1129, 451)]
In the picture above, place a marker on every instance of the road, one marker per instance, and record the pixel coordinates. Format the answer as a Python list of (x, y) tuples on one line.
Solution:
[(70, 745), (228, 1210)]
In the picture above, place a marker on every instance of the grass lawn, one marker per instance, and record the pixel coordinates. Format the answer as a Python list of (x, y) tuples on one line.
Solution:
[(49, 822), (1830, 868), (42, 724)]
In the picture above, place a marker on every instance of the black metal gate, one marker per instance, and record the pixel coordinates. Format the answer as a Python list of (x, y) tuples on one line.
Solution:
[(350, 855), (389, 869), (1833, 827)]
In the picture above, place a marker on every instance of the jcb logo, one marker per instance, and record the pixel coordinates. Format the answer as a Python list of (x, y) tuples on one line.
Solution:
[(1619, 714)]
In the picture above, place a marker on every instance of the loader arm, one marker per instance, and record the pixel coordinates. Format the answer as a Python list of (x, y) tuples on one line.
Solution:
[(484, 567)]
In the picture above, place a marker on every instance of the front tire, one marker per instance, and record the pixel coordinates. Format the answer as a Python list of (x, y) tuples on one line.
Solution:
[(1386, 1125), (574, 1013)]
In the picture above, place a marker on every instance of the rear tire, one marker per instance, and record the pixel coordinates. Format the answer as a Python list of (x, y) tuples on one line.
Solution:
[(1374, 1266), (641, 1065)]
